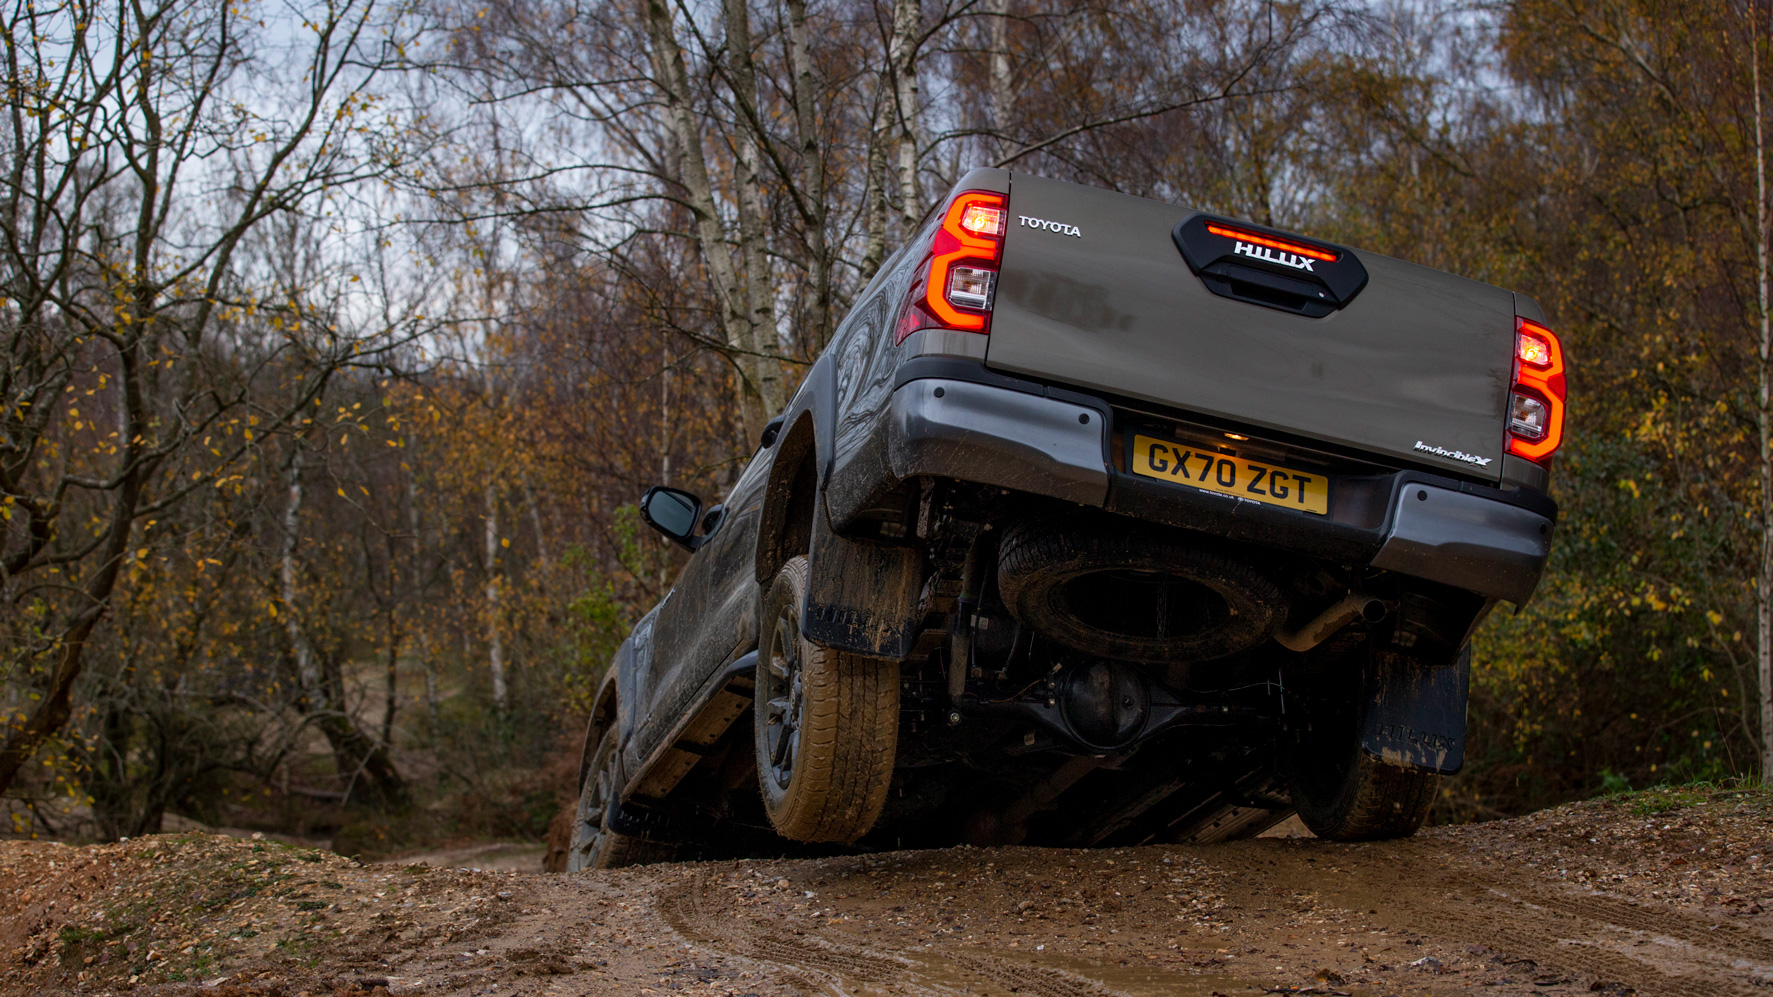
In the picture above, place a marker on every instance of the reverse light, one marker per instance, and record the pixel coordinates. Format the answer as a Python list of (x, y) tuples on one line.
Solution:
[(1527, 416), (1536, 400), (971, 287), (957, 287), (1284, 245)]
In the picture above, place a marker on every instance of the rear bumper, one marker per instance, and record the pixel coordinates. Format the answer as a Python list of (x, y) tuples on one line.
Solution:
[(948, 428), (1468, 541), (957, 419)]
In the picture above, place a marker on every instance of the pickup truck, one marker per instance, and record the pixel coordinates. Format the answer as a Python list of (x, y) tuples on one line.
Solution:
[(1100, 521)]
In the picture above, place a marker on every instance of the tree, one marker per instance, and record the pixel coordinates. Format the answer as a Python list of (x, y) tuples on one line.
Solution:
[(146, 148)]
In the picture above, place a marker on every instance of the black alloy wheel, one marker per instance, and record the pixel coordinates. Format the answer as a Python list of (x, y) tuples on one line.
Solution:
[(782, 688), (595, 845)]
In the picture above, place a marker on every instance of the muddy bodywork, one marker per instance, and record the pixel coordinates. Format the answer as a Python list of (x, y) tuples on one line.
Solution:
[(903, 460)]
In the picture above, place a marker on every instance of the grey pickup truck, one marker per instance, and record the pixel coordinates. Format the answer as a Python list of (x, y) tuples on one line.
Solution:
[(1100, 521)]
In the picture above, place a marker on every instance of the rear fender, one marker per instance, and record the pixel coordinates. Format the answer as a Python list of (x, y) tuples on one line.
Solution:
[(603, 714), (1415, 711), (801, 462)]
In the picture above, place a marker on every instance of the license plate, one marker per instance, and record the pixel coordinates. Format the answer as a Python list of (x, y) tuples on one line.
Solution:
[(1167, 460)]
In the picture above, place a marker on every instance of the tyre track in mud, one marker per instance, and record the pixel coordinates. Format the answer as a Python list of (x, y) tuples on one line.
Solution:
[(702, 916), (1419, 886)]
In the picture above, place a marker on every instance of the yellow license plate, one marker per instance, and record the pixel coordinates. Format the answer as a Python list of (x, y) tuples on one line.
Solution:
[(1167, 460)]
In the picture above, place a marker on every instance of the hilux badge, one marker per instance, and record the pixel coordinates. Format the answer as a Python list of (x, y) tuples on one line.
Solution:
[(1273, 256), (1455, 454)]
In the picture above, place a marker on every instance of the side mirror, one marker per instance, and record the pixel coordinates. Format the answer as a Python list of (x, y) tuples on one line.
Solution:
[(673, 512), (773, 430)]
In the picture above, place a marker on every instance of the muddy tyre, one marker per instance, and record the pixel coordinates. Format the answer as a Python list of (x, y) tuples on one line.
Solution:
[(594, 845), (827, 725), (1135, 592), (1342, 792)]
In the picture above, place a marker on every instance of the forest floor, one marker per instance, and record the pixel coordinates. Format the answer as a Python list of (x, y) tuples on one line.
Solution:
[(1665, 892)]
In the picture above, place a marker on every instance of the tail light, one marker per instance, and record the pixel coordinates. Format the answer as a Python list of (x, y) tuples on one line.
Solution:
[(1536, 401), (956, 286)]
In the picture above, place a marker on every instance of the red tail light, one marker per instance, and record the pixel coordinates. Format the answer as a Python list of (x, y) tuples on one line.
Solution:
[(960, 281), (1536, 401)]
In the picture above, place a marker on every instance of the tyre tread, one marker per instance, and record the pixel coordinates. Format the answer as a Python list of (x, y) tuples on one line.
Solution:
[(848, 739), (1375, 800)]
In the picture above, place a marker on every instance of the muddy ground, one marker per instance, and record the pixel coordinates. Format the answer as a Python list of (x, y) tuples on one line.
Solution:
[(1659, 893)]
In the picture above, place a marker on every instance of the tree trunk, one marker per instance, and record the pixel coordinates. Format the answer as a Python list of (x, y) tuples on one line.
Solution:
[(432, 701), (902, 50), (544, 551), (1764, 583), (391, 699), (874, 194), (57, 706), (494, 642), (354, 752), (306, 672), (812, 179), (673, 81), (1001, 94), (760, 289)]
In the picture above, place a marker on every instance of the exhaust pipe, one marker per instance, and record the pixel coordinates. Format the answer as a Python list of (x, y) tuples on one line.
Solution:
[(1353, 606)]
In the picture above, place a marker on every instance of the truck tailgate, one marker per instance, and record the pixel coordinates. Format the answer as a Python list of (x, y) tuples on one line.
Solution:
[(1094, 293)]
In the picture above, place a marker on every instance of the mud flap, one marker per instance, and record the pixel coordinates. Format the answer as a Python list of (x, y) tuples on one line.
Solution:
[(861, 597), (1415, 712)]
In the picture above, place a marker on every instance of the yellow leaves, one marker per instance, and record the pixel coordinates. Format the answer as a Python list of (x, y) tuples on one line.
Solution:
[(1714, 617), (504, 541), (1627, 484), (342, 493)]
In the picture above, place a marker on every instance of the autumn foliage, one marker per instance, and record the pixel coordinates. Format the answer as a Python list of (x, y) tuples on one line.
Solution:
[(339, 346)]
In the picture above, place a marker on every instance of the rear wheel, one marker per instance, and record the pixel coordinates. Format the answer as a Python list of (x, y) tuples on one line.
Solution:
[(1342, 792), (594, 845), (827, 725)]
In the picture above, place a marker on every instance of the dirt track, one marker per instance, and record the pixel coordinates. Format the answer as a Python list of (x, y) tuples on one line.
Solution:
[(1658, 895)]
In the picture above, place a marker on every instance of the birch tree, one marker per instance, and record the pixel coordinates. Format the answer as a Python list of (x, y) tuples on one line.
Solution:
[(1763, 413)]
